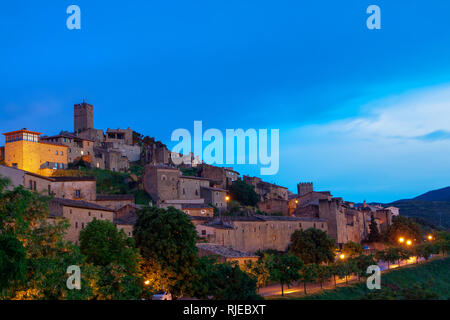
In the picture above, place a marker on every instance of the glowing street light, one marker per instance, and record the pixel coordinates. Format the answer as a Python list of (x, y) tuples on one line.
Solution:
[(430, 237), (408, 243), (147, 282), (342, 256), (227, 198), (401, 239)]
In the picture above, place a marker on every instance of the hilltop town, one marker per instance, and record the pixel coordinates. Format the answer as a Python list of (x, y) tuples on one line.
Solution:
[(204, 192)]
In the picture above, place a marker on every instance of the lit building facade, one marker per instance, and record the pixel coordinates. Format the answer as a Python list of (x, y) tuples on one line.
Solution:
[(24, 151)]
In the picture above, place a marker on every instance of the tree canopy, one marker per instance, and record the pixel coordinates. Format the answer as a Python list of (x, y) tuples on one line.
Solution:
[(404, 227), (103, 244), (244, 193), (313, 246), (167, 242)]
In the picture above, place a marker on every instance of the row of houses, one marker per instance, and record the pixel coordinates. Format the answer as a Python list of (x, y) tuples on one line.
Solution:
[(32, 159), (76, 199)]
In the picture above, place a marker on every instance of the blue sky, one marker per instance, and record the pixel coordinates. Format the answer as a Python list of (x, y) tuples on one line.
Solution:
[(362, 113)]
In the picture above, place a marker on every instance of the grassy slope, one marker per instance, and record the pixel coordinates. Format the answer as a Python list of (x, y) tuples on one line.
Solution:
[(110, 182), (432, 279)]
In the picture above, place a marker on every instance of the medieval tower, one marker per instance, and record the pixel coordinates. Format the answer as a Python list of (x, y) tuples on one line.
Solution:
[(83, 117), (304, 188)]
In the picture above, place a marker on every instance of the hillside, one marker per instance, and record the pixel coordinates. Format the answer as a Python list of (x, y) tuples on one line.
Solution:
[(435, 195), (424, 281), (434, 212)]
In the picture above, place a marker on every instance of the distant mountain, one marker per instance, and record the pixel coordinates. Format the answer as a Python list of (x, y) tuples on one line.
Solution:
[(432, 206), (436, 213), (435, 195)]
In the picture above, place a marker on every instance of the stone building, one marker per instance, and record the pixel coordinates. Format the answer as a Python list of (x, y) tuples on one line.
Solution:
[(166, 185), (74, 188), (222, 177), (114, 201), (197, 210), (83, 117), (79, 214), (24, 151), (110, 159), (304, 188), (345, 221), (125, 218), (215, 197), (78, 148), (274, 206), (161, 182), (96, 135), (113, 151), (267, 190), (189, 187), (119, 136), (254, 233), (306, 199)]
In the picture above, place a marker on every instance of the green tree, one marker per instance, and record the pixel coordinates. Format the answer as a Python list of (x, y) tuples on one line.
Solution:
[(352, 249), (312, 246), (390, 255), (13, 263), (362, 262), (374, 232), (342, 269), (260, 270), (425, 250), (442, 240), (103, 244), (285, 269), (167, 242), (403, 227), (324, 273), (229, 282), (309, 273), (244, 193)]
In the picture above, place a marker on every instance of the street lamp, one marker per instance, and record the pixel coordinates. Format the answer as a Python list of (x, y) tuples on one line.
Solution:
[(430, 237), (147, 282), (408, 243), (342, 256), (401, 239), (227, 198)]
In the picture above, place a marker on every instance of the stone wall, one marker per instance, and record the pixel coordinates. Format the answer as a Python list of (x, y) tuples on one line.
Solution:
[(254, 235)]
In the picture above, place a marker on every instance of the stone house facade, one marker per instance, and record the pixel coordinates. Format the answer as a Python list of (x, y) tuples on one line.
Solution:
[(254, 233), (79, 214), (77, 147)]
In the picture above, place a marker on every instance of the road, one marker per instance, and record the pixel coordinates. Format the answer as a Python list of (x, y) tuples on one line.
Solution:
[(275, 289)]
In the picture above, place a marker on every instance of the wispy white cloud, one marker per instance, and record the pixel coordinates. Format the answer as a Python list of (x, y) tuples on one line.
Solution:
[(399, 145)]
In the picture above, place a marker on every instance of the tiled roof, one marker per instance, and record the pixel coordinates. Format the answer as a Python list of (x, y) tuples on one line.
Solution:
[(107, 197), (80, 204), (288, 218), (126, 219), (195, 206), (194, 177), (214, 189), (87, 178)]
